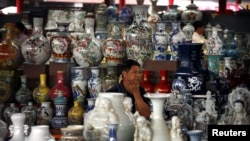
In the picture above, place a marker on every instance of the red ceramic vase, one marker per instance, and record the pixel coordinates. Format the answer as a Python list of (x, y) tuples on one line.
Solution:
[(60, 87), (163, 86), (145, 83)]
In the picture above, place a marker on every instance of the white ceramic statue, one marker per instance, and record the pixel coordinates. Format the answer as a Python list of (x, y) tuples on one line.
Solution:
[(127, 103), (209, 104), (142, 130), (175, 131), (99, 117)]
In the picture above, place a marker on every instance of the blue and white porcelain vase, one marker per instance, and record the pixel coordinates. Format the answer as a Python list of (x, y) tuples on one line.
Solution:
[(176, 37), (60, 119), (79, 83), (113, 131), (95, 82), (23, 94), (160, 42), (179, 84), (44, 114)]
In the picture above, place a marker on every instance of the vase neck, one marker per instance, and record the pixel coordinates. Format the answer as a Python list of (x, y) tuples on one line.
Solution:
[(157, 104), (43, 80), (23, 81)]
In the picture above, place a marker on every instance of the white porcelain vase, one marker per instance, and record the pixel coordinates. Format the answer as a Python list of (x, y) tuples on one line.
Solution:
[(158, 125), (18, 129), (40, 133)]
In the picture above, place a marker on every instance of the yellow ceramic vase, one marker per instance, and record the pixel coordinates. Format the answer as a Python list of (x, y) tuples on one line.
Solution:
[(75, 114), (41, 93)]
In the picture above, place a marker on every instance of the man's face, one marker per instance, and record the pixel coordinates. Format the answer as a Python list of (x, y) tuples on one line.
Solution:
[(133, 75)]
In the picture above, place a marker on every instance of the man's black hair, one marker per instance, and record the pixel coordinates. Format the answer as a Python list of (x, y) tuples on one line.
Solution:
[(127, 64), (198, 24)]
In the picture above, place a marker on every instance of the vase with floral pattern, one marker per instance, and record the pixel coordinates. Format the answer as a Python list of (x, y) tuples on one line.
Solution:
[(36, 49), (95, 82), (44, 114), (176, 36), (138, 36), (41, 92), (214, 43), (191, 14), (61, 44), (172, 14), (88, 51), (75, 114), (160, 42), (9, 111), (111, 78), (79, 83)]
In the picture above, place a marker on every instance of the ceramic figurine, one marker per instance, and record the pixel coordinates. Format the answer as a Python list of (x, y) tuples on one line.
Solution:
[(209, 105), (175, 131), (100, 117), (127, 103), (143, 131)]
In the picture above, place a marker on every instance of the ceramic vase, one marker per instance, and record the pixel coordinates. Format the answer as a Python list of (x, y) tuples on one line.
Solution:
[(11, 56), (163, 86), (227, 64), (95, 82), (172, 14), (61, 44), (112, 12), (75, 114), (191, 14), (8, 111), (153, 17), (157, 124), (113, 131), (36, 49), (160, 42), (41, 92), (114, 47), (60, 119), (18, 129), (30, 112), (176, 36), (214, 43), (188, 30), (40, 133), (60, 87), (179, 84), (101, 17), (138, 37), (233, 47), (79, 80), (23, 94), (146, 83), (44, 114), (88, 51), (195, 135), (111, 78), (115, 111), (213, 66)]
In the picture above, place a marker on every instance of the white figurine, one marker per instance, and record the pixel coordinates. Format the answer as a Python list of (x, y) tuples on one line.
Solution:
[(100, 116), (210, 104), (127, 103), (142, 130), (175, 131)]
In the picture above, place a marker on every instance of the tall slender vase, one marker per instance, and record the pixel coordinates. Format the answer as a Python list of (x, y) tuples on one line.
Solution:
[(158, 124), (95, 82), (163, 86), (145, 83), (41, 92), (79, 83), (213, 66), (36, 49), (176, 36), (160, 42), (30, 112)]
